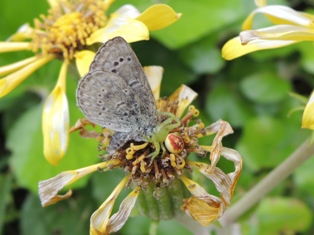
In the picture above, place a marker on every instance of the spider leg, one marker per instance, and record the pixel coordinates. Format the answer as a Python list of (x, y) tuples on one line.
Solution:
[(171, 118)]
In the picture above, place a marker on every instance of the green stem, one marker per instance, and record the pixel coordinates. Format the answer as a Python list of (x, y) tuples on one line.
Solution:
[(305, 151), (153, 227)]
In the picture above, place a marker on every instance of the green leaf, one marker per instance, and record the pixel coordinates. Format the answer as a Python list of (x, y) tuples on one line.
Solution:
[(175, 72), (65, 217), (265, 88), (196, 21), (224, 103), (307, 58), (266, 141), (203, 56), (5, 187), (278, 214), (303, 177)]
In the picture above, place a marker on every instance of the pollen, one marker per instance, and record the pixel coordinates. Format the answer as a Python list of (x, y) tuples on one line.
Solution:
[(67, 26)]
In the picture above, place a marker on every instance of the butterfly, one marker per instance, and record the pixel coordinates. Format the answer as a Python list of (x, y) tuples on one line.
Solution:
[(115, 94)]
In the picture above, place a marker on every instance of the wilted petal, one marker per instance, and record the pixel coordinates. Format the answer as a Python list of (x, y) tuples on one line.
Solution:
[(48, 189), (55, 121), (16, 66), (202, 210), (279, 15), (201, 206), (224, 183), (8, 83), (222, 129), (14, 46), (100, 218), (83, 59), (158, 16), (154, 77), (118, 219), (121, 23), (308, 114), (184, 95)]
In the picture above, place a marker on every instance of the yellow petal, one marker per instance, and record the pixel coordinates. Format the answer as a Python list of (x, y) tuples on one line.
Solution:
[(130, 29), (55, 122), (260, 3), (8, 83), (107, 4), (278, 32), (308, 114), (83, 60), (100, 218), (158, 16), (16, 66), (23, 33), (14, 46), (234, 48), (279, 15), (184, 95), (48, 189), (128, 10), (154, 76), (53, 3)]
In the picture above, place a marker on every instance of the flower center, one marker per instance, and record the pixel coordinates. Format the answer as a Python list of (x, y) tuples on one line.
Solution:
[(67, 26), (135, 158)]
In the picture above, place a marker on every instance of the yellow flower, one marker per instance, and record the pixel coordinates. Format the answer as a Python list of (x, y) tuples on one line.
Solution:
[(67, 33), (290, 27), (308, 114), (162, 187)]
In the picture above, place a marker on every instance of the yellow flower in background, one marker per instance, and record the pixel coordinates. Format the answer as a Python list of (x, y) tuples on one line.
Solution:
[(290, 27), (162, 186), (67, 33), (308, 114)]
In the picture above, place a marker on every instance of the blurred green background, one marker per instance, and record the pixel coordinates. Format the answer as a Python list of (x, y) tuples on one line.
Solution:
[(250, 92)]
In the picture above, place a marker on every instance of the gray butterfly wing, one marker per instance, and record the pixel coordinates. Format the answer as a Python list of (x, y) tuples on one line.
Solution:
[(117, 56), (119, 139), (106, 99)]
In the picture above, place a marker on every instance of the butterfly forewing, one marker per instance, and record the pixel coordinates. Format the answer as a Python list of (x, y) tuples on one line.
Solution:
[(117, 56), (116, 94)]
